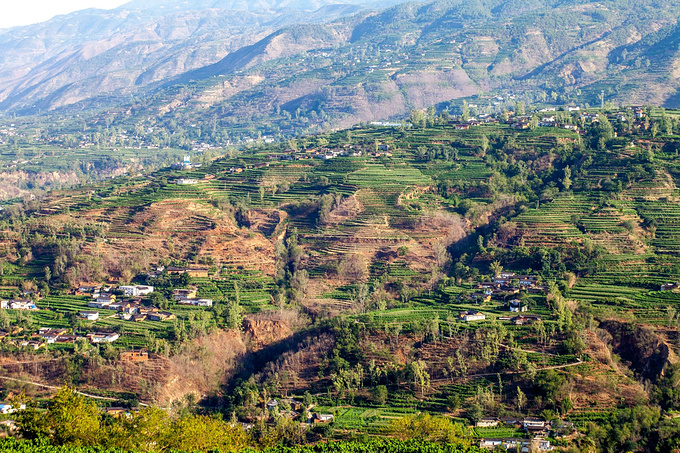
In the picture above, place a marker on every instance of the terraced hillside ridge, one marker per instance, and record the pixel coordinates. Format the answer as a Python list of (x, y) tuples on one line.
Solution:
[(513, 276)]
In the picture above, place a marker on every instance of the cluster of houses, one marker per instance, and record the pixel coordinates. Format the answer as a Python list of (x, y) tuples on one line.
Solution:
[(536, 428), (48, 335), (130, 309), (348, 150), (18, 304), (504, 286), (545, 119)]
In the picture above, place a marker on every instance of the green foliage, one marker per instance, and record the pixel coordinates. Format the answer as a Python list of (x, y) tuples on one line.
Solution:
[(73, 421)]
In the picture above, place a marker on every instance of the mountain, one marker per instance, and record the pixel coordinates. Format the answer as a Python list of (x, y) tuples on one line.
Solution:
[(375, 66), (276, 69), (90, 52)]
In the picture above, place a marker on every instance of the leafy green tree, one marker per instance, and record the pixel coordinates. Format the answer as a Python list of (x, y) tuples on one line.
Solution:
[(379, 394), (430, 428), (73, 418), (234, 315)]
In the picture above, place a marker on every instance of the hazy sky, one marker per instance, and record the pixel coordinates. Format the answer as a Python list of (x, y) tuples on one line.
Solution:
[(24, 12)]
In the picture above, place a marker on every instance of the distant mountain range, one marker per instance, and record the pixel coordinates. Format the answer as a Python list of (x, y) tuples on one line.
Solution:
[(91, 52), (287, 66)]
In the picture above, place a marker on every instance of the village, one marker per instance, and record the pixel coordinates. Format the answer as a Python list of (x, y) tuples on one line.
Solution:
[(505, 287), (131, 303)]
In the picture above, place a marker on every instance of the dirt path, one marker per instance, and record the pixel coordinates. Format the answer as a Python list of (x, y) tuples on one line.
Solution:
[(29, 362), (105, 398)]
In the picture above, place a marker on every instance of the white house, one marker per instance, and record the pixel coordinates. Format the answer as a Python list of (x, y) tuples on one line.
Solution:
[(90, 315), (136, 290), (103, 337), (105, 298), (472, 315)]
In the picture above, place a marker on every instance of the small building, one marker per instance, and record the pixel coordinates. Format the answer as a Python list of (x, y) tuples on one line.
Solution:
[(84, 290), (32, 344), (196, 302), (517, 306), (323, 418), (511, 421), (103, 337), (204, 302), (480, 297), (100, 305), (183, 294), (66, 339), (198, 272), (472, 315), (135, 356), (136, 290), (527, 280), (535, 425), (491, 444), (541, 444), (272, 404), (487, 422), (105, 298), (522, 320), (539, 289), (669, 286), (90, 315), (160, 316)]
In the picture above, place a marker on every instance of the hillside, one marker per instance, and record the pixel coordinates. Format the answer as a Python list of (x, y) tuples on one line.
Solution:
[(94, 52), (499, 268)]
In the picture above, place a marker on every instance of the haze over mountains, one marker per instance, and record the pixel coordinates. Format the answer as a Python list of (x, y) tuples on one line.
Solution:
[(89, 52), (335, 63)]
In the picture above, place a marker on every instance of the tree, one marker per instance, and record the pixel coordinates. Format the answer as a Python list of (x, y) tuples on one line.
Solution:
[(234, 315), (430, 428), (566, 181), (417, 118), (204, 433), (379, 394), (496, 268), (465, 115), (74, 420), (420, 377), (521, 399)]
